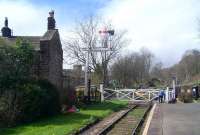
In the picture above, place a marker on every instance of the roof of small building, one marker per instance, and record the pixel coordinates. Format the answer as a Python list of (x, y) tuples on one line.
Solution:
[(34, 40)]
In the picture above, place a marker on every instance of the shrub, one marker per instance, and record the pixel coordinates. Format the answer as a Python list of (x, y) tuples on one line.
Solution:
[(185, 97), (15, 64), (69, 97), (21, 98), (52, 97), (28, 102)]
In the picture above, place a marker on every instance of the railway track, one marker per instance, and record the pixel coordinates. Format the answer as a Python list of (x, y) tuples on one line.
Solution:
[(106, 123), (125, 122), (131, 123)]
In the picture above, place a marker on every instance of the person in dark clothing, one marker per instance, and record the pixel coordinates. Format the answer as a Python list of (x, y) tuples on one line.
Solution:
[(163, 95), (160, 96)]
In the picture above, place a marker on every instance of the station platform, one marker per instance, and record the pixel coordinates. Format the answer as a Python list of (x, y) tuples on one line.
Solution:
[(175, 119)]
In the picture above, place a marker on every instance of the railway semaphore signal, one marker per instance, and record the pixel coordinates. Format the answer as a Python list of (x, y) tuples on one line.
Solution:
[(106, 34)]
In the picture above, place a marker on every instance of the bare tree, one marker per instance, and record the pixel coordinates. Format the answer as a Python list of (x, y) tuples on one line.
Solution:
[(146, 58), (189, 66), (86, 35), (156, 71), (133, 69), (186, 70)]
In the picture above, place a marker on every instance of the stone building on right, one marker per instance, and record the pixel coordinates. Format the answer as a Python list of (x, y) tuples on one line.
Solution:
[(73, 77)]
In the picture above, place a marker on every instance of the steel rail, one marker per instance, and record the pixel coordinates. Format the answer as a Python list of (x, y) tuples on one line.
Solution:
[(109, 127), (139, 125)]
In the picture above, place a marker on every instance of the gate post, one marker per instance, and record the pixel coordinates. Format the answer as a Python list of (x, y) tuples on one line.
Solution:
[(101, 91), (133, 96), (149, 95), (167, 95), (174, 89), (117, 94)]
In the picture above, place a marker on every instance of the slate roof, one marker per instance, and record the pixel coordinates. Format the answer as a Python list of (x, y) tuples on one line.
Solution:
[(34, 40)]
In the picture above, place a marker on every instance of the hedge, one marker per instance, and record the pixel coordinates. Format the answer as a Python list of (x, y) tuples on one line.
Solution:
[(28, 102)]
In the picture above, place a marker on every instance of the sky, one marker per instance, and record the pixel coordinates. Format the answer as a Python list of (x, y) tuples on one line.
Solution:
[(166, 27)]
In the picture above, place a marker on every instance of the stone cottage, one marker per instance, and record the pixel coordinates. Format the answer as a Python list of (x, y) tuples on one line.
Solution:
[(49, 49)]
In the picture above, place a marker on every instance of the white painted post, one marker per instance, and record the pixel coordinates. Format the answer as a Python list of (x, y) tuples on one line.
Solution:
[(167, 95), (133, 96), (173, 91), (101, 90), (149, 95), (117, 95)]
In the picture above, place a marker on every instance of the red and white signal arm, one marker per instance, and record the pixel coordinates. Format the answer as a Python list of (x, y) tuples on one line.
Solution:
[(106, 32), (104, 37), (103, 32)]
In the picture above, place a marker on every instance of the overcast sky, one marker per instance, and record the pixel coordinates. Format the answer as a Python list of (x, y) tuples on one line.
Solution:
[(166, 27)]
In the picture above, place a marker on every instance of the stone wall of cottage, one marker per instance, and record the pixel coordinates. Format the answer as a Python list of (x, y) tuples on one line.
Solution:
[(56, 61), (51, 61), (44, 59)]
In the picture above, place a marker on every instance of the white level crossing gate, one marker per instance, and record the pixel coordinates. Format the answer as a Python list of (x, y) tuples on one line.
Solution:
[(134, 94), (130, 94)]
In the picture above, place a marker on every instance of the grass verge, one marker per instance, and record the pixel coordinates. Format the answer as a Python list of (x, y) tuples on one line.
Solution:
[(65, 124)]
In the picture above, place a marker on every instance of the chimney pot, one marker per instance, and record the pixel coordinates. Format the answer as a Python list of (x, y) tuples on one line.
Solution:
[(51, 21), (6, 22)]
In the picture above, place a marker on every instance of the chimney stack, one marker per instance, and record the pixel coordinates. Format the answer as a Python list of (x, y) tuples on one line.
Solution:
[(51, 21), (6, 31), (6, 22)]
